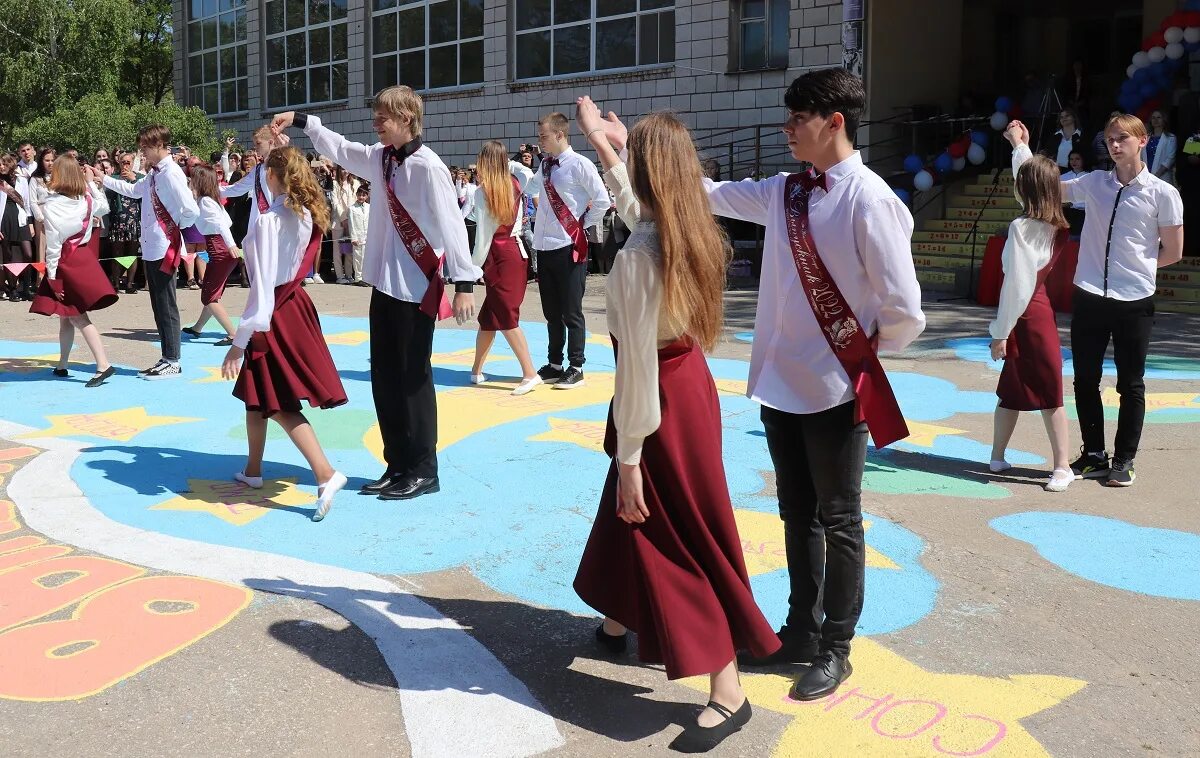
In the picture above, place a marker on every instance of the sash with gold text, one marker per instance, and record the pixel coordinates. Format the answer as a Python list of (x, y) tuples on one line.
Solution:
[(434, 304)]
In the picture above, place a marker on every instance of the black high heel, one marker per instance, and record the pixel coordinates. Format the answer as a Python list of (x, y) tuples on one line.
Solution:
[(701, 739), (614, 644)]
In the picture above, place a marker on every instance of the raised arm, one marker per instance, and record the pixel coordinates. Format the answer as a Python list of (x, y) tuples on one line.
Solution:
[(243, 186), (1017, 135), (523, 174), (122, 187), (355, 157)]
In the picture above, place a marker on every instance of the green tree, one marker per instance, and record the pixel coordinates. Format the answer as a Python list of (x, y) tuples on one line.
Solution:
[(146, 72)]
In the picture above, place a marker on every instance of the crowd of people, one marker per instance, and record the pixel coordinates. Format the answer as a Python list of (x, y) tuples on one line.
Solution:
[(838, 286)]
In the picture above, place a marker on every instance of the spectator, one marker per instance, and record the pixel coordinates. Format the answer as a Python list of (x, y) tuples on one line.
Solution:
[(1075, 212), (344, 191), (1068, 139), (1160, 149), (15, 239), (1101, 160), (124, 225)]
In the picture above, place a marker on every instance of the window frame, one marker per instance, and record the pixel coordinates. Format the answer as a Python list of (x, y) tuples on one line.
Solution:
[(190, 54), (458, 42), (265, 66), (774, 60), (592, 21)]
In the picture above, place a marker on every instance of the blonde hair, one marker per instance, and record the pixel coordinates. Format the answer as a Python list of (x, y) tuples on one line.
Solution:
[(400, 100), (1039, 184), (496, 182), (1129, 123), (666, 176), (556, 122), (66, 177), (300, 188), (263, 134)]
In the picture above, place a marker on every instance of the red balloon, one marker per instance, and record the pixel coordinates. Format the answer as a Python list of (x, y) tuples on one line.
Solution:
[(1157, 40), (1015, 112), (957, 149)]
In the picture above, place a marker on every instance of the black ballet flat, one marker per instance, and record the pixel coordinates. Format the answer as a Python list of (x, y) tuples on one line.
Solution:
[(61, 373), (613, 644), (701, 739), (190, 331), (100, 376)]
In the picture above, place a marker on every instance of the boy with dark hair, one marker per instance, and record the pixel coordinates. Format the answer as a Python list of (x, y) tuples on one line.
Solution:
[(167, 207)]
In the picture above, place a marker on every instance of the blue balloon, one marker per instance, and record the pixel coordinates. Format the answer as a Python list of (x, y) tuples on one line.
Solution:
[(1149, 90), (904, 195), (979, 138), (1130, 103), (944, 163), (1192, 5), (1003, 104), (913, 163)]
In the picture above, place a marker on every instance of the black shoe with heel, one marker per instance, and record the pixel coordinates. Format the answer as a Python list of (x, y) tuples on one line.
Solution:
[(614, 644), (701, 739)]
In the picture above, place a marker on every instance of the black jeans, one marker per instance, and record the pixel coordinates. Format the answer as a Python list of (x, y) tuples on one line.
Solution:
[(560, 283), (819, 460), (1094, 321), (165, 308), (402, 385)]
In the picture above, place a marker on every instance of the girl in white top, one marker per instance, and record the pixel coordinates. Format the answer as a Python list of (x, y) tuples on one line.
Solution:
[(213, 221)]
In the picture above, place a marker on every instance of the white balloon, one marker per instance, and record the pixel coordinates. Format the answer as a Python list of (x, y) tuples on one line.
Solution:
[(1156, 54), (923, 181), (960, 164), (976, 154), (1175, 51), (1141, 59), (999, 121), (1129, 71), (1191, 34), (1174, 34)]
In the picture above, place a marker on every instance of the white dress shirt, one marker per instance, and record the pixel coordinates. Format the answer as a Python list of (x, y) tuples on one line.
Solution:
[(487, 224), (863, 233), (578, 183), (1067, 176), (63, 219), (422, 185), (467, 194), (360, 214), (172, 188), (213, 219), (1118, 248), (275, 248), (245, 186), (1065, 147)]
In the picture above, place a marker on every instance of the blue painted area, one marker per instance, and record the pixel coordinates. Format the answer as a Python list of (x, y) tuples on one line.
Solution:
[(978, 350), (1159, 562), (744, 336)]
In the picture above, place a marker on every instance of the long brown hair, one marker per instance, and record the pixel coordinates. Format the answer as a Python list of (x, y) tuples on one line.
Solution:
[(300, 187), (66, 177), (1039, 185), (496, 182), (665, 173), (204, 181)]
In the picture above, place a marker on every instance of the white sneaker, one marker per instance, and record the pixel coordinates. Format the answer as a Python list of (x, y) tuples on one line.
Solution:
[(163, 370), (146, 371), (1060, 480), (325, 493), (526, 386), (343, 280), (997, 466), (478, 378), (250, 481), (309, 280)]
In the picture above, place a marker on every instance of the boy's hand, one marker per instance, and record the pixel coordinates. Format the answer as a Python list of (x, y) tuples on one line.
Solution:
[(1017, 133), (282, 121)]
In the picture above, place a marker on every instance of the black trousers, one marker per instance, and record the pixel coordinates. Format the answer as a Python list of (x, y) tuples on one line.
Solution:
[(560, 283), (1094, 321), (402, 385), (165, 308), (819, 460)]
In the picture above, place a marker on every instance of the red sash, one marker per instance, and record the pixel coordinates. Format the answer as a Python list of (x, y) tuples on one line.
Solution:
[(259, 195), (875, 401), (171, 229), (258, 346), (570, 224), (434, 304)]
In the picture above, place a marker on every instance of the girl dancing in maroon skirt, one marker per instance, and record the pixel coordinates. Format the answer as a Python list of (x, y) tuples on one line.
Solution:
[(75, 283), (664, 558), (1024, 334), (278, 354), (215, 226), (505, 263)]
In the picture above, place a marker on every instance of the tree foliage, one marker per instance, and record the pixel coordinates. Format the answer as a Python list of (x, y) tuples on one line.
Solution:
[(147, 69)]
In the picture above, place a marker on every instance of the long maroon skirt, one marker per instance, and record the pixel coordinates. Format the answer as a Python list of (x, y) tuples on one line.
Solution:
[(679, 579), (85, 285), (290, 362), (1031, 379), (504, 273), (216, 275)]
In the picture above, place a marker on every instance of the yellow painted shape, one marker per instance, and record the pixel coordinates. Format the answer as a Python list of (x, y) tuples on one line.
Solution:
[(891, 708), (234, 502), (762, 543), (599, 339), (587, 434), (1155, 401), (457, 358), (212, 375), (30, 363), (731, 386), (465, 411), (356, 337), (925, 435), (122, 425)]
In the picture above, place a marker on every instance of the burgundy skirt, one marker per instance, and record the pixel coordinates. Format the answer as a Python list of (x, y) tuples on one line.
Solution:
[(290, 362), (504, 272), (220, 266), (1031, 379), (85, 285), (679, 579)]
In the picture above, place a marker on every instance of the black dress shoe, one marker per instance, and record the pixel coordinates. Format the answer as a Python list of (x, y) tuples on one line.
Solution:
[(794, 651), (701, 739), (410, 487), (827, 673), (380, 484), (614, 644)]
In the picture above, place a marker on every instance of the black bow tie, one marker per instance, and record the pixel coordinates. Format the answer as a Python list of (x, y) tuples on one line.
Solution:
[(809, 180)]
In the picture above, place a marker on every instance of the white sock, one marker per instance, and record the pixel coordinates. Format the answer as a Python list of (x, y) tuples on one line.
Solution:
[(255, 482), (1060, 479)]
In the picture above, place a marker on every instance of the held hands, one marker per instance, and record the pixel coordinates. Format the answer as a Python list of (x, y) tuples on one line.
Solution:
[(464, 307), (1017, 133), (587, 115), (282, 121), (631, 505), (999, 350), (232, 363)]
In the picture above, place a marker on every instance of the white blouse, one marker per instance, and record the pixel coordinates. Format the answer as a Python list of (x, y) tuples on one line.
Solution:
[(274, 250), (487, 223), (214, 220), (63, 219), (1028, 249)]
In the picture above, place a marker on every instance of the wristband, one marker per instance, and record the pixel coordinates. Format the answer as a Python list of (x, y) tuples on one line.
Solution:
[(589, 134), (299, 120)]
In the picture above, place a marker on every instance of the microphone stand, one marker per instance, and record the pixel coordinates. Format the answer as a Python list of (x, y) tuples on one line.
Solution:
[(974, 237)]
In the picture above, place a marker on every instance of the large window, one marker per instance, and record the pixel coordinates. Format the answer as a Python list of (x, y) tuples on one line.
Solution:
[(562, 37), (427, 44), (306, 51), (216, 48), (760, 34)]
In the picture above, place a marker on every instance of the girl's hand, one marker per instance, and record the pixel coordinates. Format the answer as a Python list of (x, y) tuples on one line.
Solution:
[(587, 115), (631, 505), (999, 350), (232, 363), (1017, 133)]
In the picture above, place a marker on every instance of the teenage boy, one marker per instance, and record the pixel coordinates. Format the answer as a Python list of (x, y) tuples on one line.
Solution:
[(837, 285), (413, 227), (167, 207), (566, 184), (1133, 227), (254, 183)]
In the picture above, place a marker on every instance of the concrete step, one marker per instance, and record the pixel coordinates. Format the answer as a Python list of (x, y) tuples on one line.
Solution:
[(947, 262), (1175, 306), (1179, 277), (1005, 189), (989, 214), (950, 248), (923, 235), (970, 201), (986, 226), (1174, 292), (940, 280)]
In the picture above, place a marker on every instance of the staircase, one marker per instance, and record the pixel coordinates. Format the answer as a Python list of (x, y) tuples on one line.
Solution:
[(942, 247)]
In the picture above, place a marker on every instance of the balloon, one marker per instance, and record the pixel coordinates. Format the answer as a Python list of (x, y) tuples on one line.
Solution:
[(944, 162), (1130, 70), (904, 195), (1191, 34), (1149, 90), (976, 154), (979, 137), (999, 121), (923, 181), (1173, 35), (1003, 104), (959, 164), (957, 149), (1141, 59), (1154, 40), (1175, 51), (913, 163), (1015, 111), (1156, 54)]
